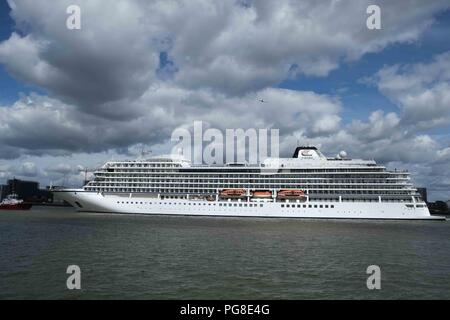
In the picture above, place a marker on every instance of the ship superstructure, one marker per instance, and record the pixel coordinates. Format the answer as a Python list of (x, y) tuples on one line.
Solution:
[(308, 185)]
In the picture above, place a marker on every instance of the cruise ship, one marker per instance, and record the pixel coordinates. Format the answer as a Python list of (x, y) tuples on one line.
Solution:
[(308, 185)]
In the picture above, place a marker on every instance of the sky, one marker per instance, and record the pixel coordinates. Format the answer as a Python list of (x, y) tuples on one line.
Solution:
[(138, 69)]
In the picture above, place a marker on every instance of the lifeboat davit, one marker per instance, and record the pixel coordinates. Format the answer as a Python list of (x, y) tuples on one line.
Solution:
[(232, 193), (291, 194), (262, 194)]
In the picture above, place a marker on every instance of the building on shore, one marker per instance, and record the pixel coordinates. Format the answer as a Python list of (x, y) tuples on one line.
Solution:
[(423, 194), (3, 191), (26, 190)]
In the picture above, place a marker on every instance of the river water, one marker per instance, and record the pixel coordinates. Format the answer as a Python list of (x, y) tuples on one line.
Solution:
[(167, 257)]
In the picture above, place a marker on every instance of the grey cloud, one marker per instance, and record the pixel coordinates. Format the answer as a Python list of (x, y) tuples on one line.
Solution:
[(41, 125), (110, 59)]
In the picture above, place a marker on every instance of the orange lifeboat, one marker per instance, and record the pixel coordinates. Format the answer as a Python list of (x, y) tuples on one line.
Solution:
[(232, 193), (262, 194), (291, 194)]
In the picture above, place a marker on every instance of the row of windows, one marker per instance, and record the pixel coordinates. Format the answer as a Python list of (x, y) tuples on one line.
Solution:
[(251, 181), (139, 168), (230, 204), (256, 186), (256, 175), (307, 206), (194, 190), (142, 165)]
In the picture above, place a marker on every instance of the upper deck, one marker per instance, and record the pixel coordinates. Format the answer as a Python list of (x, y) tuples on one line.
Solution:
[(303, 158)]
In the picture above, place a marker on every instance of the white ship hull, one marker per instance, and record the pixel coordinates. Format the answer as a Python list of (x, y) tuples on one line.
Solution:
[(140, 204)]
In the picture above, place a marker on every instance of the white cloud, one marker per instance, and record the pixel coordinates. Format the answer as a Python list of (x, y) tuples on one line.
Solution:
[(28, 169), (224, 45), (379, 126), (421, 90)]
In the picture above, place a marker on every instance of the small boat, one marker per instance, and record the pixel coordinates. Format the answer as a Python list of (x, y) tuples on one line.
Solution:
[(291, 194), (232, 193), (262, 194), (12, 203)]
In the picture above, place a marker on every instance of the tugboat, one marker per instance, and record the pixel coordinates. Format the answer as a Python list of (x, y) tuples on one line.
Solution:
[(12, 203)]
